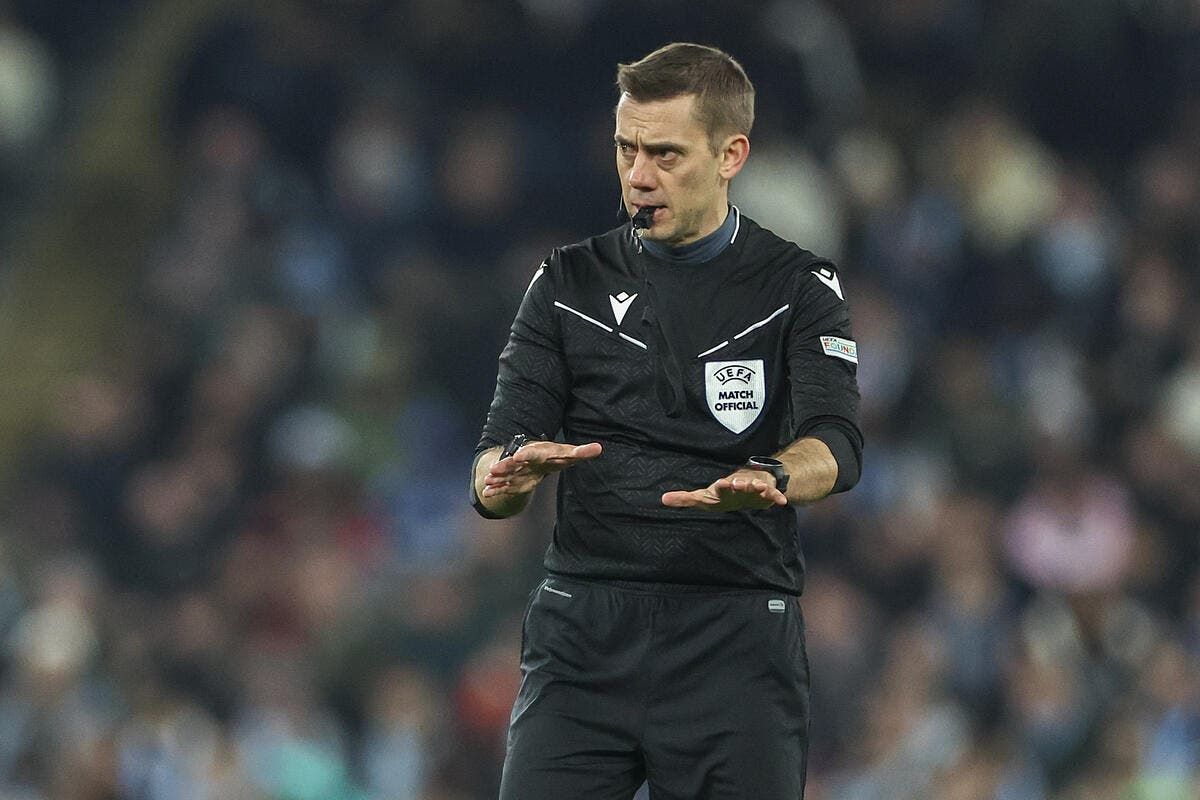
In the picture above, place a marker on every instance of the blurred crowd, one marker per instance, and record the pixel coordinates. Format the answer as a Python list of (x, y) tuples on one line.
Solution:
[(237, 558)]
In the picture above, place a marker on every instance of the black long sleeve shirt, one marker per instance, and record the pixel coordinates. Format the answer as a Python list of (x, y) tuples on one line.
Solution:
[(681, 372)]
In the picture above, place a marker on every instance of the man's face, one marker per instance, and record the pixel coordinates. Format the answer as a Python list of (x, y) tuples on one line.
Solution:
[(665, 160)]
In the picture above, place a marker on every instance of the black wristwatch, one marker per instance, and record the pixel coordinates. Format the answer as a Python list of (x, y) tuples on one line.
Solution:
[(773, 466)]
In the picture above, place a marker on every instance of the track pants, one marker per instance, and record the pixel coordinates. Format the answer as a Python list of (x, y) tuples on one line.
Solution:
[(701, 692)]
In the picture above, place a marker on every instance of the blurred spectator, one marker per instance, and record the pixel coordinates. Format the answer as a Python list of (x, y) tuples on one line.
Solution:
[(1073, 531), (405, 728), (29, 93)]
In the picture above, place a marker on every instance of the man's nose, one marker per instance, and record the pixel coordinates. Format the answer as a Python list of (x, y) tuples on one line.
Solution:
[(642, 174)]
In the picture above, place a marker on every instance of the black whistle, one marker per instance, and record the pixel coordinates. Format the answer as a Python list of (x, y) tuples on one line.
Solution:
[(643, 218)]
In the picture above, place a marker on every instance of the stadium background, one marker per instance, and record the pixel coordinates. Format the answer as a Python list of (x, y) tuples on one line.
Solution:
[(257, 261)]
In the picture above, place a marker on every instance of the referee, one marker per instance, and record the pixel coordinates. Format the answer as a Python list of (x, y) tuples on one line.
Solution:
[(691, 375)]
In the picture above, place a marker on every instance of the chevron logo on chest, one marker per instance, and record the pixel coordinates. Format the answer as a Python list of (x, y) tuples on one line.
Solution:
[(621, 303)]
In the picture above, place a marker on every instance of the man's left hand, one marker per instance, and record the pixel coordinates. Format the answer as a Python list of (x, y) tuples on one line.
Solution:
[(741, 490)]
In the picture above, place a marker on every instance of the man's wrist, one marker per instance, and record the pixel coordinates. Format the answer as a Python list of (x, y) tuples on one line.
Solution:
[(483, 462), (812, 469), (495, 506)]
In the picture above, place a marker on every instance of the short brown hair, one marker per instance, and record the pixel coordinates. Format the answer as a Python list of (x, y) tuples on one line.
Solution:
[(724, 94)]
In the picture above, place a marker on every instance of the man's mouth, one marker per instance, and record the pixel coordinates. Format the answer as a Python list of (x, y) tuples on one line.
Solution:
[(644, 217)]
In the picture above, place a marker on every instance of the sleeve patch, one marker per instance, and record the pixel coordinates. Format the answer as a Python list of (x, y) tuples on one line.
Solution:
[(838, 347)]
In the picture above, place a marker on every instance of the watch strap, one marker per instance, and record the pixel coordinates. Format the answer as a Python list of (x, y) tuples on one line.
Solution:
[(773, 466)]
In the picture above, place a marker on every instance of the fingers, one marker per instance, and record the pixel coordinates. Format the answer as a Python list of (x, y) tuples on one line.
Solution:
[(521, 472), (507, 488), (507, 480), (758, 486), (503, 468), (493, 490), (556, 453), (589, 450), (545, 457), (728, 494), (693, 499), (511, 479)]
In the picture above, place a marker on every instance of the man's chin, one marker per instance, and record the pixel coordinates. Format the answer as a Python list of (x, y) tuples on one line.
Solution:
[(661, 232)]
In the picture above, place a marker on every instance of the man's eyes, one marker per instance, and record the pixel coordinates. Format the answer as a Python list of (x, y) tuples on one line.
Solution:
[(665, 156)]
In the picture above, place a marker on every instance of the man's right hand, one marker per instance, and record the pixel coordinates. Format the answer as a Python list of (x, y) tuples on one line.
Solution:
[(505, 485)]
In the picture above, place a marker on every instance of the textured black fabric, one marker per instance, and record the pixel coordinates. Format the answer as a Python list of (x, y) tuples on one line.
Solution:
[(704, 694), (638, 387)]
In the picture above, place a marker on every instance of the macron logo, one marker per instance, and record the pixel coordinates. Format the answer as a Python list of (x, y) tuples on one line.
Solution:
[(830, 279), (620, 304)]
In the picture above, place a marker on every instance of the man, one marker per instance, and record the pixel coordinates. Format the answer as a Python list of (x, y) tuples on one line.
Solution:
[(691, 375)]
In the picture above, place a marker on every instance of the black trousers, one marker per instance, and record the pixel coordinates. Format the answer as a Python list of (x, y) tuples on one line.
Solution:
[(703, 693)]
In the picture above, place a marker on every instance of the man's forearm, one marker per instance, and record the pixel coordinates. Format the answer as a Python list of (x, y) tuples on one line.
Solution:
[(812, 468)]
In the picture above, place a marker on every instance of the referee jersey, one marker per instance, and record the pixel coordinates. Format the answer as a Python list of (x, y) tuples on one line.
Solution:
[(681, 372)]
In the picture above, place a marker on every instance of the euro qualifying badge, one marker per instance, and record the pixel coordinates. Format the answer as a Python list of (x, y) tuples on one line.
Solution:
[(736, 392)]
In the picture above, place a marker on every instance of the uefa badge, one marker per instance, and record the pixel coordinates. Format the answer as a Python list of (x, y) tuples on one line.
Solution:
[(736, 392)]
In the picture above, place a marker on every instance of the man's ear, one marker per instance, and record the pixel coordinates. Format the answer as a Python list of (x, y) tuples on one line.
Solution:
[(734, 153)]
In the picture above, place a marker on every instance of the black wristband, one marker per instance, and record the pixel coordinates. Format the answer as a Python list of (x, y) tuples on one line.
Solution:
[(848, 458)]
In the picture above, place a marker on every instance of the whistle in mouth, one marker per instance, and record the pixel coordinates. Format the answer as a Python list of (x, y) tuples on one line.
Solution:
[(643, 219)]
